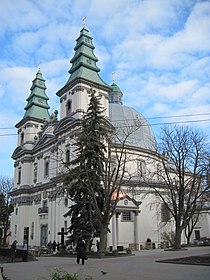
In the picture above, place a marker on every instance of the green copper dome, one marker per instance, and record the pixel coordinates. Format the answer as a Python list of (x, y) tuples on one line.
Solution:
[(115, 96), (115, 88), (84, 60), (37, 106)]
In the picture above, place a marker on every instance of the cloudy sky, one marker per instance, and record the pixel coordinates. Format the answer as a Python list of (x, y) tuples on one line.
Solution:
[(158, 49)]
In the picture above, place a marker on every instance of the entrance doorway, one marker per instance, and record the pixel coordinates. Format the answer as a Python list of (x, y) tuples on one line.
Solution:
[(44, 229)]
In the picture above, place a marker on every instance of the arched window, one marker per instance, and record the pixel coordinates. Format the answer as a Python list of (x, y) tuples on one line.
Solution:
[(68, 106), (141, 168), (46, 169), (35, 172), (67, 155), (19, 176), (66, 202), (22, 138), (32, 230)]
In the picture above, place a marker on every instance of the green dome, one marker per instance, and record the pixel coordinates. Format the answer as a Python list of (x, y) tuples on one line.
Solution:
[(115, 88)]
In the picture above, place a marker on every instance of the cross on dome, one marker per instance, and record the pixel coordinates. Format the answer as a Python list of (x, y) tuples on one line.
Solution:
[(84, 22)]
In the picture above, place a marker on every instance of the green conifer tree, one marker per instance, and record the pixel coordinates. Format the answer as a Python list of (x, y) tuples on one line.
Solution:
[(84, 181)]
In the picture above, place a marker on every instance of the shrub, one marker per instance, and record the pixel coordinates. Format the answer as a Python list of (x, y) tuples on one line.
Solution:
[(63, 275), (59, 274)]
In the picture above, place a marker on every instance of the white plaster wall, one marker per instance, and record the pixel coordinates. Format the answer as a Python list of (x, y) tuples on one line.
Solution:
[(80, 100), (126, 232), (202, 226), (148, 221), (26, 176)]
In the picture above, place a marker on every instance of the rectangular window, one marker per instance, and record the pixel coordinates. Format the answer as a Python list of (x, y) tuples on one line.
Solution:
[(15, 229), (141, 168), (126, 216), (197, 235), (165, 214), (44, 203)]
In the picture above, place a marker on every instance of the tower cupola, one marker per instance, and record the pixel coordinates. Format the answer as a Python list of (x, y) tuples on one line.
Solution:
[(84, 60), (37, 106), (84, 74), (115, 96)]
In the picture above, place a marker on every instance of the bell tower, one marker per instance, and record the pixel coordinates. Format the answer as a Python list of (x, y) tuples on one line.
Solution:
[(35, 116), (84, 74)]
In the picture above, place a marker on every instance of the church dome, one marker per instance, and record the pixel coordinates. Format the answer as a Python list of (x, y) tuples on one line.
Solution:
[(129, 124)]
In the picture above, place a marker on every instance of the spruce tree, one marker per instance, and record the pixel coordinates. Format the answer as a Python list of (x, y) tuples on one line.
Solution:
[(84, 181)]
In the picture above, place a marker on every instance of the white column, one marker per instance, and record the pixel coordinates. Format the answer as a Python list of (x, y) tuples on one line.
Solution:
[(117, 227), (136, 234), (114, 237)]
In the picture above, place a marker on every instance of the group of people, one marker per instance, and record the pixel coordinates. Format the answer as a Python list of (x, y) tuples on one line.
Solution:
[(52, 246)]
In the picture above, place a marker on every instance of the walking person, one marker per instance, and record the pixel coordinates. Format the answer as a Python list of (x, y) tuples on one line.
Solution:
[(13, 250), (97, 245), (49, 247), (148, 243), (81, 251), (54, 246)]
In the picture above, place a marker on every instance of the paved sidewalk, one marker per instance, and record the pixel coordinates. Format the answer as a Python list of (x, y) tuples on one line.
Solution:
[(142, 266)]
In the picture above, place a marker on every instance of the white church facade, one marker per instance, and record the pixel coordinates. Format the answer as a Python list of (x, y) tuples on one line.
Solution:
[(45, 142)]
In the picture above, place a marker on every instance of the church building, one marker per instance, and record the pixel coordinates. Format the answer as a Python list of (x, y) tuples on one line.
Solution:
[(45, 142)]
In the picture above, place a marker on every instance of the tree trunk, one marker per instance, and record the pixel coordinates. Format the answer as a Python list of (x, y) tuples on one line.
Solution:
[(103, 239), (177, 238)]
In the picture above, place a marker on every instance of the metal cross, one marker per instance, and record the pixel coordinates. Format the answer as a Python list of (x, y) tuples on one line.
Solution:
[(84, 22)]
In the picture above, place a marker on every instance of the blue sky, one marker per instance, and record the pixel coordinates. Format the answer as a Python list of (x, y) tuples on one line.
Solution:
[(158, 49)]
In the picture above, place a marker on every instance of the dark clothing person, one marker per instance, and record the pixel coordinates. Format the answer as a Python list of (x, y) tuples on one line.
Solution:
[(91, 244), (148, 243), (97, 245), (49, 246), (81, 251), (13, 250), (54, 246)]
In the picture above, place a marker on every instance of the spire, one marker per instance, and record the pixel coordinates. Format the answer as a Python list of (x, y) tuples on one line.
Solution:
[(115, 96), (84, 60), (37, 106)]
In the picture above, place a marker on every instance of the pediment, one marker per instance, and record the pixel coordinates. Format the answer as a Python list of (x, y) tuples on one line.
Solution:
[(127, 203)]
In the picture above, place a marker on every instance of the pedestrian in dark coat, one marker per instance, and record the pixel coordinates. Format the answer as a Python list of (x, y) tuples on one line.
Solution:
[(54, 246), (81, 251), (13, 250)]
